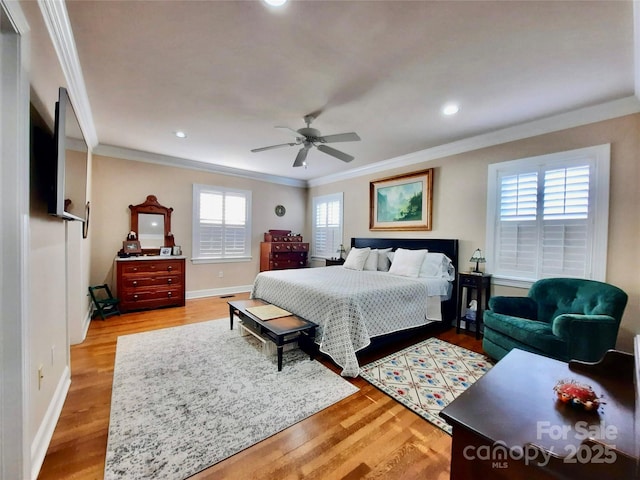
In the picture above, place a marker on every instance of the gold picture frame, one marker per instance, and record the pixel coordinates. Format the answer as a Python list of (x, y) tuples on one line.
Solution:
[(402, 202)]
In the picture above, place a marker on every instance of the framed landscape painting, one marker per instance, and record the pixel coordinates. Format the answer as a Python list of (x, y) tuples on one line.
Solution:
[(403, 202)]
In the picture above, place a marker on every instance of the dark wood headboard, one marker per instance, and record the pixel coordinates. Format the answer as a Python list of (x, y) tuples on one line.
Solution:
[(447, 246)]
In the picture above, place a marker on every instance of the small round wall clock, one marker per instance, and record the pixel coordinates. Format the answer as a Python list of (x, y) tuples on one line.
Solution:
[(280, 210)]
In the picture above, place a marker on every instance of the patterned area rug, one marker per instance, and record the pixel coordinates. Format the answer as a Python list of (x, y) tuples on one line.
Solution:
[(427, 376), (185, 398)]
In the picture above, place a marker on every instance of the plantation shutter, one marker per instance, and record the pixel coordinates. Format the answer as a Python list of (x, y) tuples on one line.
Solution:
[(222, 225), (518, 236), (565, 233), (327, 225), (543, 227)]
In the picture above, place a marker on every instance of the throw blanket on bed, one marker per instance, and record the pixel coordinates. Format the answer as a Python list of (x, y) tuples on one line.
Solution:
[(349, 306)]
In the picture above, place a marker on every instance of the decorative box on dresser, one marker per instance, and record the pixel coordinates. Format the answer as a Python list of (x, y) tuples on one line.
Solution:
[(282, 250), (150, 282)]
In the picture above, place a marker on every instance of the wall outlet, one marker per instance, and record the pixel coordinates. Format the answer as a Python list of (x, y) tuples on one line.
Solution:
[(40, 375), (220, 274)]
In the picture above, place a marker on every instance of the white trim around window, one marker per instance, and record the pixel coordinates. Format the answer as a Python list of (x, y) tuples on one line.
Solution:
[(327, 225), (221, 224), (548, 216)]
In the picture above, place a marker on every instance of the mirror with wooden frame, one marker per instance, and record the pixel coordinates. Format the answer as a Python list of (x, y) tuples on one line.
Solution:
[(152, 224)]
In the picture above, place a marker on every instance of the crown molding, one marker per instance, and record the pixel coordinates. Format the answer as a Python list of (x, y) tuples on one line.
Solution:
[(15, 16), (169, 161), (54, 13), (605, 111)]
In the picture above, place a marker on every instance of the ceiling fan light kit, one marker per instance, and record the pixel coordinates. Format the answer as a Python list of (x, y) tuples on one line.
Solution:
[(311, 137)]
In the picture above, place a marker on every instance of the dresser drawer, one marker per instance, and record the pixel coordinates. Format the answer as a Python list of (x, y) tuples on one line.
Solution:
[(288, 247), (166, 266), (470, 280), (149, 298), (142, 280), (282, 264), (296, 256), (142, 294)]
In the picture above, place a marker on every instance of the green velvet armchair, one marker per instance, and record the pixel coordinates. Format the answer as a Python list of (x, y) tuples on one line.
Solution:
[(562, 318)]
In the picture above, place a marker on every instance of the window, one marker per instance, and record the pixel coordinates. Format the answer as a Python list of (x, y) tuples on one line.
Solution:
[(221, 224), (327, 225), (548, 216)]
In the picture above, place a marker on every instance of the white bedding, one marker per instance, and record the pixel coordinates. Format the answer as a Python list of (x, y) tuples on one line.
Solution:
[(352, 306)]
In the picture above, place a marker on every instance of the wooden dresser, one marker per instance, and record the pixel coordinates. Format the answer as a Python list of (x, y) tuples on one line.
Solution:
[(150, 282), (282, 250)]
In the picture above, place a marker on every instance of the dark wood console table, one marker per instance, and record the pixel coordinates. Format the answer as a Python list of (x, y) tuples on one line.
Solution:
[(281, 331), (481, 283), (512, 412)]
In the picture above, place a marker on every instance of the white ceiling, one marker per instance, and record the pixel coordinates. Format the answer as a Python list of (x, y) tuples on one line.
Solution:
[(227, 72)]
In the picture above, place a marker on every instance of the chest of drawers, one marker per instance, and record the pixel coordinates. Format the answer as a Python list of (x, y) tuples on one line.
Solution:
[(150, 282), (278, 252)]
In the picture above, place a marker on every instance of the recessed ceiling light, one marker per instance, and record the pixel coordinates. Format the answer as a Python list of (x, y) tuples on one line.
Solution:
[(450, 109), (180, 134), (275, 3)]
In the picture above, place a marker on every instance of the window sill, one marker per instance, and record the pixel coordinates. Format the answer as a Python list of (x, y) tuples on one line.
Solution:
[(198, 261), (515, 282)]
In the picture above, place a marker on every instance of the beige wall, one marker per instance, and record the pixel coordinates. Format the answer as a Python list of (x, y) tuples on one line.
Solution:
[(460, 199), (58, 266), (119, 183)]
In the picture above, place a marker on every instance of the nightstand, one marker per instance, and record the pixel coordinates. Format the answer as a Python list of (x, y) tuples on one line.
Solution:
[(481, 283), (329, 262)]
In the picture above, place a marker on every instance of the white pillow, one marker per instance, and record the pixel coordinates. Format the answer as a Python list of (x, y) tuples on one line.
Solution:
[(371, 263), (437, 265), (407, 263), (356, 258), (383, 260)]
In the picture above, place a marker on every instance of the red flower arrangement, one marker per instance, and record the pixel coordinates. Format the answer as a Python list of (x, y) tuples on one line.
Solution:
[(577, 395)]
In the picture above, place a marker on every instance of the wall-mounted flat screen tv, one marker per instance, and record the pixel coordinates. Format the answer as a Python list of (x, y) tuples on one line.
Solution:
[(69, 191)]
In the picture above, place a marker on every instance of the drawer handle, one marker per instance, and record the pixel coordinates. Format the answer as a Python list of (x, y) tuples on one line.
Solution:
[(135, 283), (135, 269), (169, 268), (135, 297), (169, 280), (169, 294)]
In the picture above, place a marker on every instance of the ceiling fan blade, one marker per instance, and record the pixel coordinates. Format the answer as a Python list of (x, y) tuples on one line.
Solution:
[(301, 157), (340, 137), (262, 149), (345, 157), (295, 132)]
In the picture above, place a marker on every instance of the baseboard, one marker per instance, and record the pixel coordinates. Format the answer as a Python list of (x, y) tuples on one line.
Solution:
[(43, 436), (86, 323), (217, 292)]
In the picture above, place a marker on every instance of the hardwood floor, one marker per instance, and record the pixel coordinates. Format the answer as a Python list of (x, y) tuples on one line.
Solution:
[(367, 435)]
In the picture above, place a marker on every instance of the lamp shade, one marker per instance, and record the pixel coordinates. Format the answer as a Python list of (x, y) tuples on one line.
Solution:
[(477, 257)]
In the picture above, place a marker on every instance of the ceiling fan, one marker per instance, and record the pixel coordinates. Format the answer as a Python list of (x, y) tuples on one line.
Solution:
[(310, 137)]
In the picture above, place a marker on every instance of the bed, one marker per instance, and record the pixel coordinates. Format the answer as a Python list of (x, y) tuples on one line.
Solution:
[(352, 306)]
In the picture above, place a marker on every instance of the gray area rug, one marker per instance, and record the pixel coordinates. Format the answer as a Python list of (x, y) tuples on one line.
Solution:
[(185, 398)]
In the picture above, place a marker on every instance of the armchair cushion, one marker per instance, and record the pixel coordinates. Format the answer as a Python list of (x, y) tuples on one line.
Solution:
[(523, 307), (539, 335)]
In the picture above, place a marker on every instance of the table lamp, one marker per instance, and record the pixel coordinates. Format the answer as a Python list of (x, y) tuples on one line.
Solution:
[(478, 258)]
